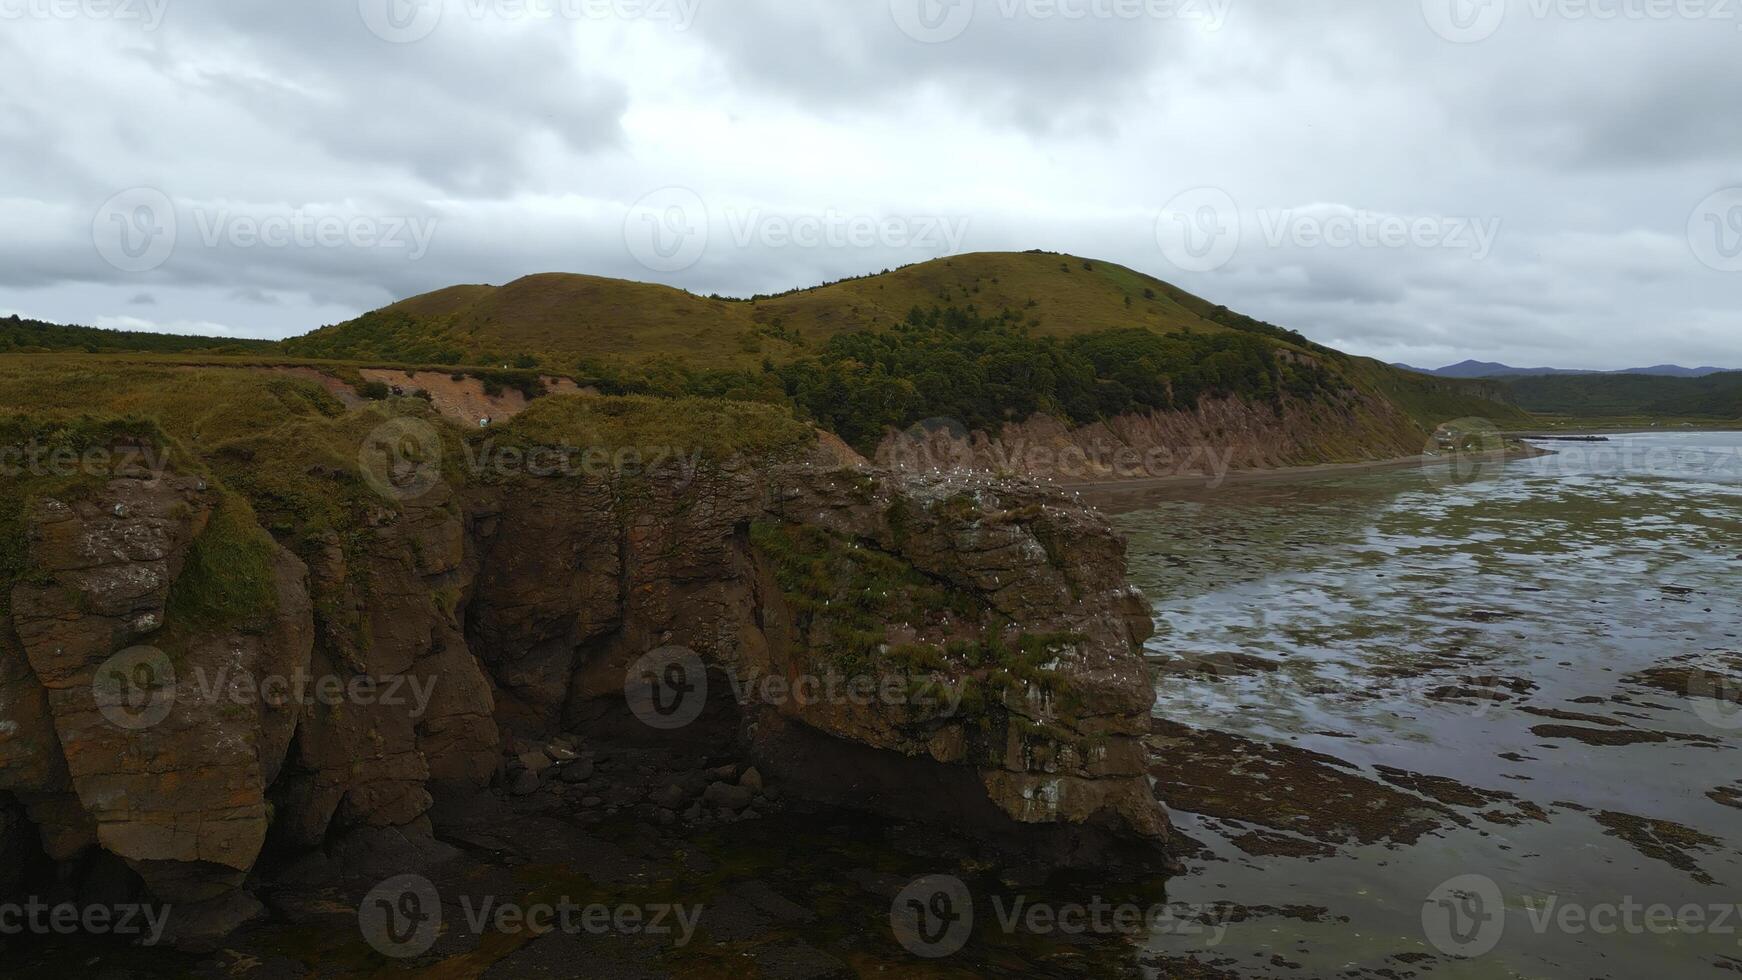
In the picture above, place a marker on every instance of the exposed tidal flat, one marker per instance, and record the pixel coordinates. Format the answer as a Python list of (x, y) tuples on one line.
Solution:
[(1516, 686)]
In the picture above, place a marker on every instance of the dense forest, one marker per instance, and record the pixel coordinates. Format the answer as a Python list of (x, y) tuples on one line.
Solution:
[(981, 371), (1597, 395), (17, 334)]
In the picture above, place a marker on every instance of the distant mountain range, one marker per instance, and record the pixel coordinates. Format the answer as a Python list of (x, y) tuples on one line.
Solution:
[(1489, 369)]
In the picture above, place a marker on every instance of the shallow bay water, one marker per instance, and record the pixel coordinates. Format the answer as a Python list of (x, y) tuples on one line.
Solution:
[(1545, 652)]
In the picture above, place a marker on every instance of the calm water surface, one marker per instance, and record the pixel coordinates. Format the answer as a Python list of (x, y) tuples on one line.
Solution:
[(1434, 621)]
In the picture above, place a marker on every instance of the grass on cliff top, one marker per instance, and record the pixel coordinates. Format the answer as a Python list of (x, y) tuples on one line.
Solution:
[(715, 428)]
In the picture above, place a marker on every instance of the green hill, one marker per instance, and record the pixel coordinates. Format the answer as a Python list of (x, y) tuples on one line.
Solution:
[(555, 317), (1717, 396)]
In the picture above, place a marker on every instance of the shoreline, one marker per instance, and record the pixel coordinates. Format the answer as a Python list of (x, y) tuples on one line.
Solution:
[(1115, 488)]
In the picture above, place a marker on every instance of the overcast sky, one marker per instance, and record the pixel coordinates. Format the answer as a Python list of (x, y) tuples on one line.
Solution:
[(1534, 181)]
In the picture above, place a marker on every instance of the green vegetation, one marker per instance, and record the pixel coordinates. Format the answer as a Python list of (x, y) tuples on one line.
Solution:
[(228, 579), (18, 335), (556, 317), (717, 429), (982, 371), (1432, 400), (1718, 396)]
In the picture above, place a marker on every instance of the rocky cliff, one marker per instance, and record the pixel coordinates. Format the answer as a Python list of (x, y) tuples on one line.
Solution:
[(1220, 436), (962, 652)]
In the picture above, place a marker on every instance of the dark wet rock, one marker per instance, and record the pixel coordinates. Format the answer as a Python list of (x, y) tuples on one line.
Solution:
[(1614, 737), (728, 797), (1662, 840), (1219, 665), (1285, 788), (776, 906), (797, 960), (1574, 716), (1730, 796), (1259, 843)]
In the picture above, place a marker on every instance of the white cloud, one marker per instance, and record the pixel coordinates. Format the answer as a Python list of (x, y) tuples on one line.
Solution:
[(524, 142)]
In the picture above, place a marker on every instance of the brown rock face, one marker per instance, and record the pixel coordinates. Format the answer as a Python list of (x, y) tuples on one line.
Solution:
[(1220, 436), (965, 653)]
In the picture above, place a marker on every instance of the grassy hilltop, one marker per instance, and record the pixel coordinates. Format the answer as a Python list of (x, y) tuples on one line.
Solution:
[(559, 315)]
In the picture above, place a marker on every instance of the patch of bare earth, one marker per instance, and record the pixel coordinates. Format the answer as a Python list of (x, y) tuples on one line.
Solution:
[(465, 399)]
